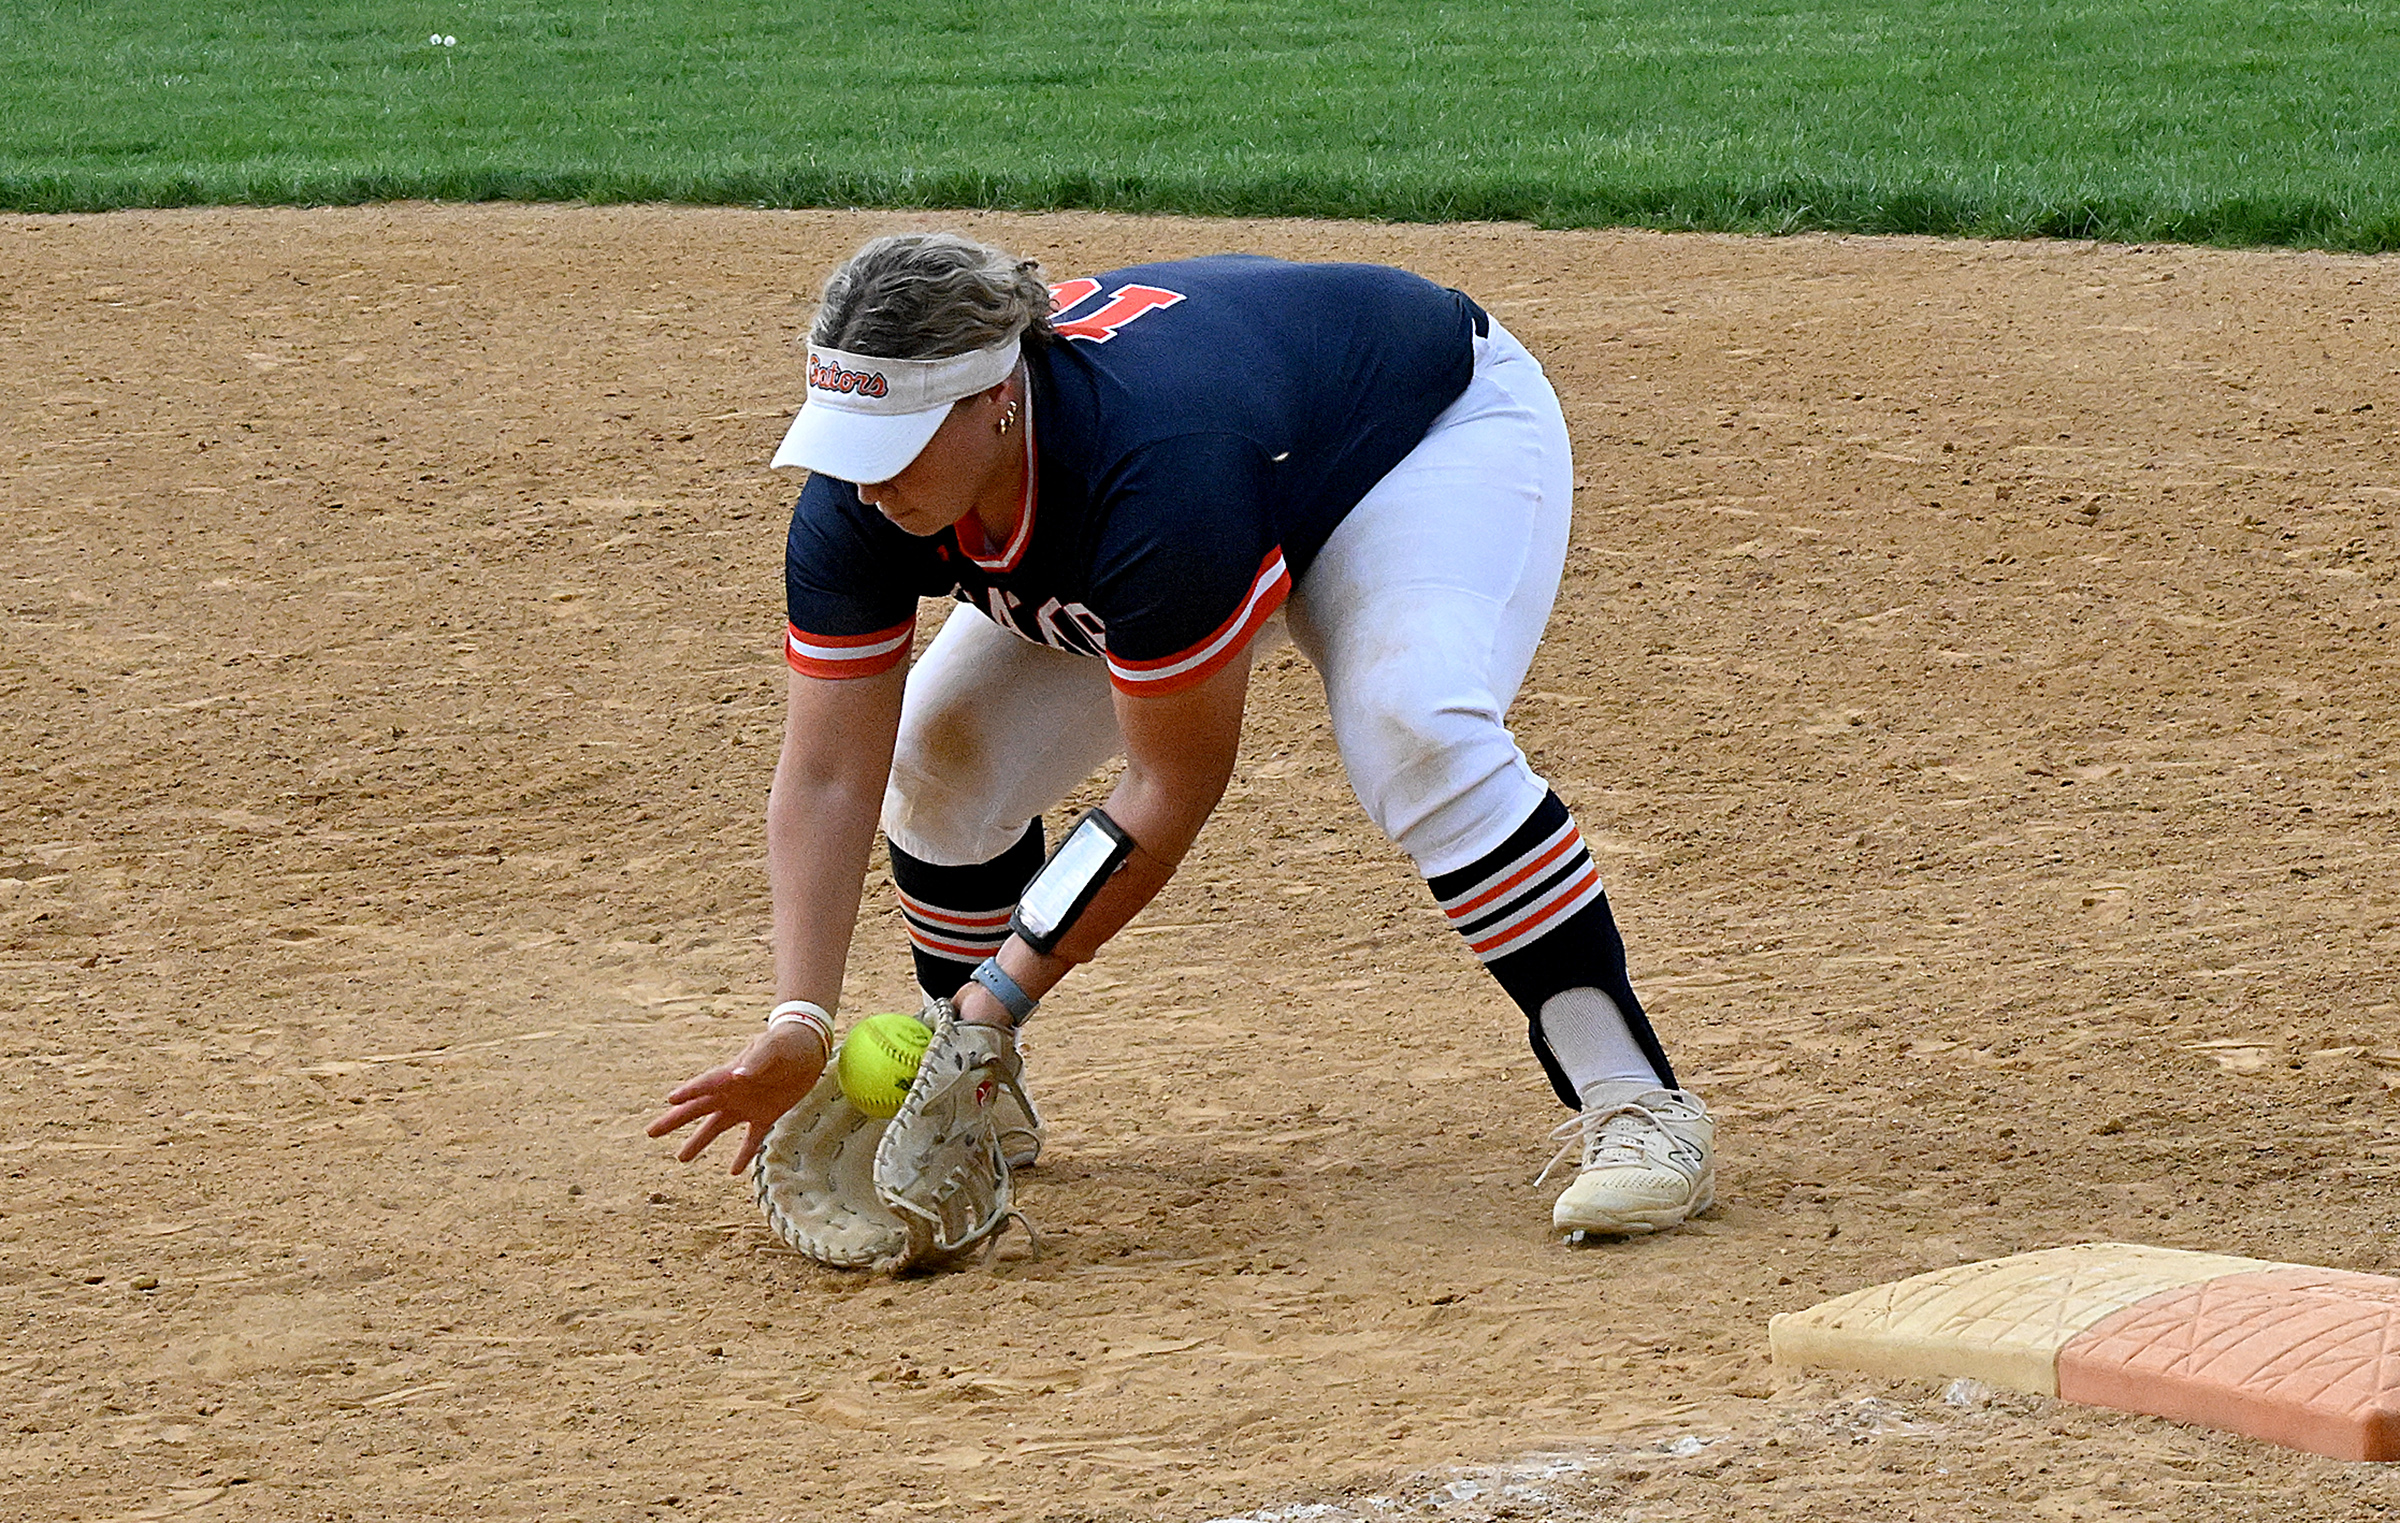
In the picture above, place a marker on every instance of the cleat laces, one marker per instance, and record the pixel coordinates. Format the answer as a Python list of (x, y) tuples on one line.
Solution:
[(1626, 1133)]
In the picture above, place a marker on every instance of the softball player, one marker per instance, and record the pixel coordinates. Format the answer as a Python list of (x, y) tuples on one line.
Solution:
[(1133, 479)]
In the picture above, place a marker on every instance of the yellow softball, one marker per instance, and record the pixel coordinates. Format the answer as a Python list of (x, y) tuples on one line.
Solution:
[(878, 1062)]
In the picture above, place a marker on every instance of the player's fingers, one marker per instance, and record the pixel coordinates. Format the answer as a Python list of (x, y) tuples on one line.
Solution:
[(749, 1149), (699, 1084), (717, 1125), (670, 1120)]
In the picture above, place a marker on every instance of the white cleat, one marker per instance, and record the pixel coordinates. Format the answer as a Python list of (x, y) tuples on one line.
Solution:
[(1648, 1160)]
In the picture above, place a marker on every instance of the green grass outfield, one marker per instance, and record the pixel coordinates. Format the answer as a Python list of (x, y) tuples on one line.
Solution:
[(2223, 121)]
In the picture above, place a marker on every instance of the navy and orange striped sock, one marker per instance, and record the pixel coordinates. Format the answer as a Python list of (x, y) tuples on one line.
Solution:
[(1533, 912), (958, 916)]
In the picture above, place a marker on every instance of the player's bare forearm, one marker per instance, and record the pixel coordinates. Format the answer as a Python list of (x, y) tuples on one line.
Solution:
[(1179, 754), (821, 816), (821, 812)]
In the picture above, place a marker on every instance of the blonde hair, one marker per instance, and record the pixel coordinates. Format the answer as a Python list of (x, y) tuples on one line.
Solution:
[(927, 296)]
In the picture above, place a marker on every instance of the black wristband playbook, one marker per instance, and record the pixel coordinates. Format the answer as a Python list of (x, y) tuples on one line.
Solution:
[(1064, 888)]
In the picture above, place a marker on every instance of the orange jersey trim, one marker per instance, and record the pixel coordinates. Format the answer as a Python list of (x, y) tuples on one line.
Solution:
[(1203, 660), (839, 657)]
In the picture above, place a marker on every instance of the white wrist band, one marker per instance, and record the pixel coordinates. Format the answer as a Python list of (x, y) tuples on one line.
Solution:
[(814, 1016)]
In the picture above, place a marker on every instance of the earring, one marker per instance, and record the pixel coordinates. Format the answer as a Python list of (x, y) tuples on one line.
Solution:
[(1008, 419)]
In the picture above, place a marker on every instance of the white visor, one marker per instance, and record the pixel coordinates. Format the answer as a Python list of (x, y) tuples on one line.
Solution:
[(866, 417)]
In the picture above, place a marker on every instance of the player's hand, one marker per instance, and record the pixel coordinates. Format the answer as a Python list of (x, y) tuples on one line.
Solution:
[(767, 1078)]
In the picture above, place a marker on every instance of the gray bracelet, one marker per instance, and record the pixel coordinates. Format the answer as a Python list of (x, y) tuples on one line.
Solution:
[(1006, 990)]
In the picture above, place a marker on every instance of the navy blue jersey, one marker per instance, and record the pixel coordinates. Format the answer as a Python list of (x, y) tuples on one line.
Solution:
[(1198, 433)]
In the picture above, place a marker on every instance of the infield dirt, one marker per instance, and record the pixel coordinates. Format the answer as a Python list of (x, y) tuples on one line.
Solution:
[(1972, 671)]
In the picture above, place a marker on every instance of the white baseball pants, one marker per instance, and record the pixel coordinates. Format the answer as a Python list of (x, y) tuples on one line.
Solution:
[(1421, 615)]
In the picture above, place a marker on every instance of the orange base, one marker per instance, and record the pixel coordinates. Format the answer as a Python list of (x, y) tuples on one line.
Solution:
[(2309, 1358)]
